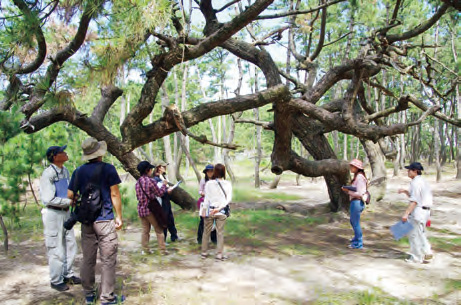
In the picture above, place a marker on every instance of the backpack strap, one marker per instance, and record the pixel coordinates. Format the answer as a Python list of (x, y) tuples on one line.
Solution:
[(95, 177)]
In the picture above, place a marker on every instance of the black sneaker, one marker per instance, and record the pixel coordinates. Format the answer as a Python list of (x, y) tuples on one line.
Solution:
[(90, 299), (60, 287), (73, 280)]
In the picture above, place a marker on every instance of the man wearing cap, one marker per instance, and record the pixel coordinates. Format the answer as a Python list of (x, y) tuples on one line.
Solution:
[(60, 243), (417, 213), (159, 176), (102, 233)]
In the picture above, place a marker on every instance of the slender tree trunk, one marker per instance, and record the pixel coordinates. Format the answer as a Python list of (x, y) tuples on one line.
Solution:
[(189, 157), (5, 234), (227, 160), (436, 121), (258, 153), (275, 182), (166, 141), (258, 130), (345, 156), (437, 150), (402, 142), (378, 180), (415, 143), (457, 103), (458, 136), (185, 139), (32, 190), (396, 160), (215, 139), (177, 152), (177, 162)]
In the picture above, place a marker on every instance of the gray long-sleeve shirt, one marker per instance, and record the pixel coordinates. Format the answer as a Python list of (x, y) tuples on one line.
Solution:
[(48, 189)]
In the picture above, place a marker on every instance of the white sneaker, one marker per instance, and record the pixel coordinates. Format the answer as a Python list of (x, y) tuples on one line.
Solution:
[(147, 252), (411, 260)]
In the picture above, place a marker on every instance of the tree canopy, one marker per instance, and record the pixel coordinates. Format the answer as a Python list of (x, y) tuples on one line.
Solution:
[(368, 69)]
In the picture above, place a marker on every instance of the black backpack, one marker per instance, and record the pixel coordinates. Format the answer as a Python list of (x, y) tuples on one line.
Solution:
[(89, 204)]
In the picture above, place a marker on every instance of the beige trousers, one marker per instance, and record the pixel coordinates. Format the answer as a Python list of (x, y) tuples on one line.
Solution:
[(99, 235), (147, 222), (208, 224)]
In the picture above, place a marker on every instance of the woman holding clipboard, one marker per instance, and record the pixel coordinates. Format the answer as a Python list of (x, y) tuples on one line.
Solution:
[(356, 192)]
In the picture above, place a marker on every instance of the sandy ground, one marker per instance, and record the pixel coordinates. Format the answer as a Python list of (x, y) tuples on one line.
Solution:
[(332, 274)]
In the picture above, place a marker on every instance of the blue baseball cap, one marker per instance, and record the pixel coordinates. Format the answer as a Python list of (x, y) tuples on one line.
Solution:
[(53, 151), (144, 166), (209, 167), (415, 166)]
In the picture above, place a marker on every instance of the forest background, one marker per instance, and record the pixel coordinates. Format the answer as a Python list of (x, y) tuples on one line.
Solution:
[(280, 91)]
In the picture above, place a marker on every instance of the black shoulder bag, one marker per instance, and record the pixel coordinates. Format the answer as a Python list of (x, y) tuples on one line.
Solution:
[(156, 210), (227, 210)]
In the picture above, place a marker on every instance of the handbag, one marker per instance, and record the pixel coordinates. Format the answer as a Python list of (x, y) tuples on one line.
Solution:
[(156, 209), (227, 210)]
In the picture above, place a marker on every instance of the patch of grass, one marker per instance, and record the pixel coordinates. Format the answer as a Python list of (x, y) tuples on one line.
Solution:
[(29, 226), (453, 285), (255, 228), (446, 244), (403, 242), (367, 297)]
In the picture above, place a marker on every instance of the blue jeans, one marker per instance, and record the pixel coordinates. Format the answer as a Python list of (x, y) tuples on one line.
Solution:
[(356, 208)]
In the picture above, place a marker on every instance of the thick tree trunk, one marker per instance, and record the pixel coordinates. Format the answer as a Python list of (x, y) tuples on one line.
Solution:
[(378, 180), (318, 147)]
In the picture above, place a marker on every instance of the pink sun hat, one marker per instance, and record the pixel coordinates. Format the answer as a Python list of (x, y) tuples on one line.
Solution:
[(357, 163)]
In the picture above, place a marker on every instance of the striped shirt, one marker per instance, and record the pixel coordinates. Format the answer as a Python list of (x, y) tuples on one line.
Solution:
[(149, 185)]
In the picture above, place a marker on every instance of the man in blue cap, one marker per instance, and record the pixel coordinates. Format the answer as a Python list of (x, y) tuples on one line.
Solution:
[(418, 213), (60, 243)]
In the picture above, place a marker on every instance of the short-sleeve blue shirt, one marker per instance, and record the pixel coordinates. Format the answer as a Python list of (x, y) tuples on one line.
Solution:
[(109, 177)]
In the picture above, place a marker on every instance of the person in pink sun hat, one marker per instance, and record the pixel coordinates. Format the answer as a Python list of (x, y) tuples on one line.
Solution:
[(356, 191)]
